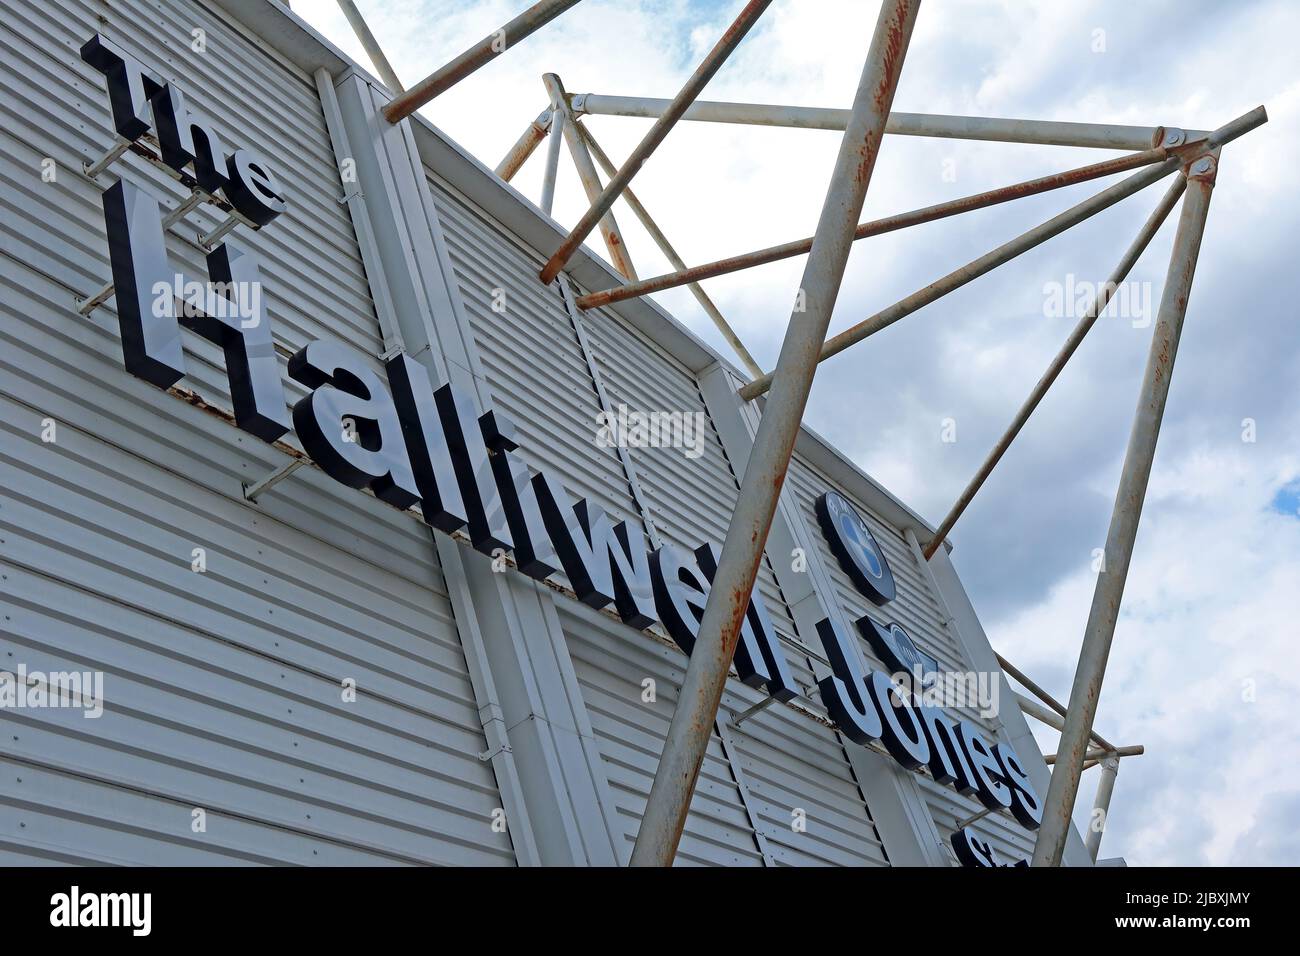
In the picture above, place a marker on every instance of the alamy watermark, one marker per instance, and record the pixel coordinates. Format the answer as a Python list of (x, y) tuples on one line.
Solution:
[(628, 428), (1074, 297), (37, 690), (220, 300), (980, 691), (133, 911)]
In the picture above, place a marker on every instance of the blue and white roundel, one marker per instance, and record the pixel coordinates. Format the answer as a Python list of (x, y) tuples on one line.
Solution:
[(855, 548)]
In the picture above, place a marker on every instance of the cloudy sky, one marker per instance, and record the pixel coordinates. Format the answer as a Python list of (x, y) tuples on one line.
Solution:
[(1203, 669)]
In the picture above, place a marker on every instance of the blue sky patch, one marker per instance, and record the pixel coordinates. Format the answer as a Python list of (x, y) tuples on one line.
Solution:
[(1287, 499)]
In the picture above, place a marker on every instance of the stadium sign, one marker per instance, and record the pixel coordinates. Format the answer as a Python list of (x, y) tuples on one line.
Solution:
[(413, 442)]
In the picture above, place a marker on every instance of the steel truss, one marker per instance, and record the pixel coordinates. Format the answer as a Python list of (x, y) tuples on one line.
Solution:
[(1191, 156)]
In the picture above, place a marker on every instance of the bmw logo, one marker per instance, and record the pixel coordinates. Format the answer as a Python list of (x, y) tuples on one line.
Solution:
[(895, 647), (855, 548)]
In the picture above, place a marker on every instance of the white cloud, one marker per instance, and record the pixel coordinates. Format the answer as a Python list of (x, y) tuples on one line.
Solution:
[(1207, 624)]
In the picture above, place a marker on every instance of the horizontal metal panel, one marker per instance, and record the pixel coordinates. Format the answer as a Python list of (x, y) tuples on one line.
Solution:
[(130, 535), (223, 688), (14, 855), (73, 818)]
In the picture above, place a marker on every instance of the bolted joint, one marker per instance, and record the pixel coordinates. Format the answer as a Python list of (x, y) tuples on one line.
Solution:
[(1168, 137), (1203, 169), (578, 103)]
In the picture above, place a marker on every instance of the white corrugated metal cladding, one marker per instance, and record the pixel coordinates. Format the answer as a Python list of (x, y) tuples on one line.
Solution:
[(225, 688)]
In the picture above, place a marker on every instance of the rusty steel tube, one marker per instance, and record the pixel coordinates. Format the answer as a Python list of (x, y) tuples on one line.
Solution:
[(1045, 132), (654, 136), (978, 267), (480, 54), (528, 141), (1072, 343), (710, 309), (587, 175), (769, 458), (1054, 706), (877, 227), (1098, 753), (1138, 458), (370, 45), (1240, 126), (1032, 708)]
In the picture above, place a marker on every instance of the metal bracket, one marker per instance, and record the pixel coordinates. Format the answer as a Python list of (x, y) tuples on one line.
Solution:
[(252, 491), (487, 755), (210, 239), (963, 824), (92, 170), (744, 715), (195, 199), (87, 305)]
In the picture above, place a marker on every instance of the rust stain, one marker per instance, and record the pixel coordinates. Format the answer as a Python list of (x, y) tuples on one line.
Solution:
[(894, 43)]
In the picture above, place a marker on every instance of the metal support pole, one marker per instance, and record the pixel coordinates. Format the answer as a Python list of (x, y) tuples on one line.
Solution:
[(1127, 512), (1105, 787), (978, 267), (1072, 343), (371, 46), (877, 227), (514, 160), (769, 459), (711, 310), (586, 167), (655, 135), (1046, 132), (1033, 708), (1099, 753), (480, 54), (552, 160)]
